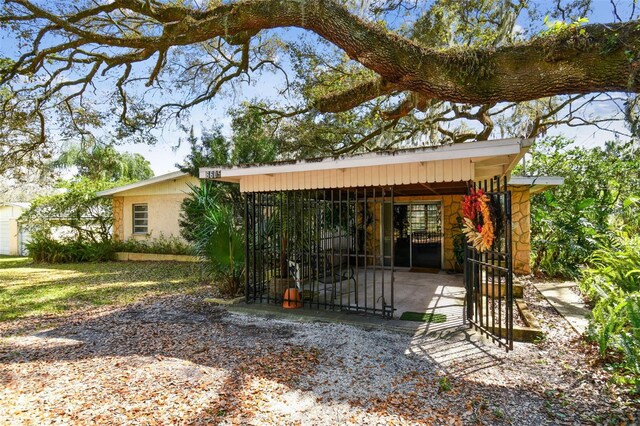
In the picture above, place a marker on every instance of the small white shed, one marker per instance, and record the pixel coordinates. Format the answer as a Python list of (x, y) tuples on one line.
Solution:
[(12, 237)]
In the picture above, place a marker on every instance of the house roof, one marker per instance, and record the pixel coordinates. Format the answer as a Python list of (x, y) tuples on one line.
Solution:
[(142, 183), (16, 204), (536, 183), (427, 165), (490, 148)]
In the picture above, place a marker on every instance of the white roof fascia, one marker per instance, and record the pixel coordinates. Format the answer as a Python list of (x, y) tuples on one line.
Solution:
[(446, 152), (536, 180), (16, 204), (150, 181)]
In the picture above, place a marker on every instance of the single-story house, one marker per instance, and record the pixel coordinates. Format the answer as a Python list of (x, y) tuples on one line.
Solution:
[(367, 233), (430, 182), (12, 237), (348, 232), (149, 208)]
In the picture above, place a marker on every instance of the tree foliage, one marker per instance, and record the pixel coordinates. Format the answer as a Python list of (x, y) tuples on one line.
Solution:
[(599, 196), (23, 137), (74, 214), (588, 229), (357, 75), (102, 162), (253, 138), (212, 149), (31, 185)]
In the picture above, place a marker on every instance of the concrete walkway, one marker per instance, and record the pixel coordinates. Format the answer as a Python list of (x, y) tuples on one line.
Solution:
[(569, 304)]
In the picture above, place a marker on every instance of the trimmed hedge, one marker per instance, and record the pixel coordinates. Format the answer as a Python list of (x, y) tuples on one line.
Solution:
[(49, 250), (44, 249)]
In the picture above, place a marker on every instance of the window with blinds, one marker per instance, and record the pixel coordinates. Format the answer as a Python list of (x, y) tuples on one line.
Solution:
[(140, 219)]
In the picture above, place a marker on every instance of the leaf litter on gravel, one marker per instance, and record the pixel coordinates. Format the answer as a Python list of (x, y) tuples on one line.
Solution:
[(177, 360)]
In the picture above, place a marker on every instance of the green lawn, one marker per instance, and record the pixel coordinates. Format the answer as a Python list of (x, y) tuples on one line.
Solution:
[(28, 289)]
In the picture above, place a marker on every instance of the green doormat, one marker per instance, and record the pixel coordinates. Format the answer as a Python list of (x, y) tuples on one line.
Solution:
[(423, 317)]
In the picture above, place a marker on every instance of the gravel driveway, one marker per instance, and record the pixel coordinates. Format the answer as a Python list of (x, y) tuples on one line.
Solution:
[(177, 360)]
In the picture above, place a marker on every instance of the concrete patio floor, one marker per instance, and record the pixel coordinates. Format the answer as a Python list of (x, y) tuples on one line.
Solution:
[(440, 293), (430, 293)]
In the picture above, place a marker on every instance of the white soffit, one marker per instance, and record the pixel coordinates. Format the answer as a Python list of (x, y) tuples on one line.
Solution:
[(537, 183)]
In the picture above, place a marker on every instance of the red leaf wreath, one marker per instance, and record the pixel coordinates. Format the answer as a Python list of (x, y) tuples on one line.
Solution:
[(479, 234)]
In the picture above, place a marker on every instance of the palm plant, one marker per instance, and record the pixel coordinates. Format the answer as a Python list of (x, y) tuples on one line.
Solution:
[(217, 237), (290, 227)]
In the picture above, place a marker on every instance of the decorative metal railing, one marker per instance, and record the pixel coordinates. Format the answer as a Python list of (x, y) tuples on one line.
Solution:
[(320, 249)]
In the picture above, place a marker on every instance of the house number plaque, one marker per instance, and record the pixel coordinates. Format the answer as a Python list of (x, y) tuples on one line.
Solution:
[(214, 174)]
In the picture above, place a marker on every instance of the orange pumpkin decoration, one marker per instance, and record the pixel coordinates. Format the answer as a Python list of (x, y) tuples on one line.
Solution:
[(292, 299)]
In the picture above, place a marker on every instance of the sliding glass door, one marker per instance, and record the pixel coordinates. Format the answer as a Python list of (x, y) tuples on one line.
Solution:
[(417, 235)]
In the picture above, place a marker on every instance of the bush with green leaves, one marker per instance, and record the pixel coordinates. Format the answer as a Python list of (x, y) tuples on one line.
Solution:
[(210, 223), (600, 194), (159, 245), (43, 248), (75, 213), (612, 282)]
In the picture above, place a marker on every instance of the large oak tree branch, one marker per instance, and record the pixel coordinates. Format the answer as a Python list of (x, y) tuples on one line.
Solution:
[(593, 58), (358, 94)]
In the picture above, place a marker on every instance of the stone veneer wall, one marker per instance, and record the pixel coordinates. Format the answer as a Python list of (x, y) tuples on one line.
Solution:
[(451, 210), (118, 218), (521, 229)]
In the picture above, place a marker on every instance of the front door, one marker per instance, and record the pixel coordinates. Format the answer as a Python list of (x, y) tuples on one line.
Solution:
[(417, 233)]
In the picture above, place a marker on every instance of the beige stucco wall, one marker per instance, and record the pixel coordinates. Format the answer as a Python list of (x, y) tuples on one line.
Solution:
[(164, 215), (178, 185), (163, 199)]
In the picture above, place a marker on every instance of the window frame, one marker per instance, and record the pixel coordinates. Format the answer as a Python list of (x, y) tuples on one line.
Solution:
[(134, 226)]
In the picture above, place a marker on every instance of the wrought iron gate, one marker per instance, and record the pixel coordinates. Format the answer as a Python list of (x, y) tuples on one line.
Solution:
[(325, 244), (489, 274)]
